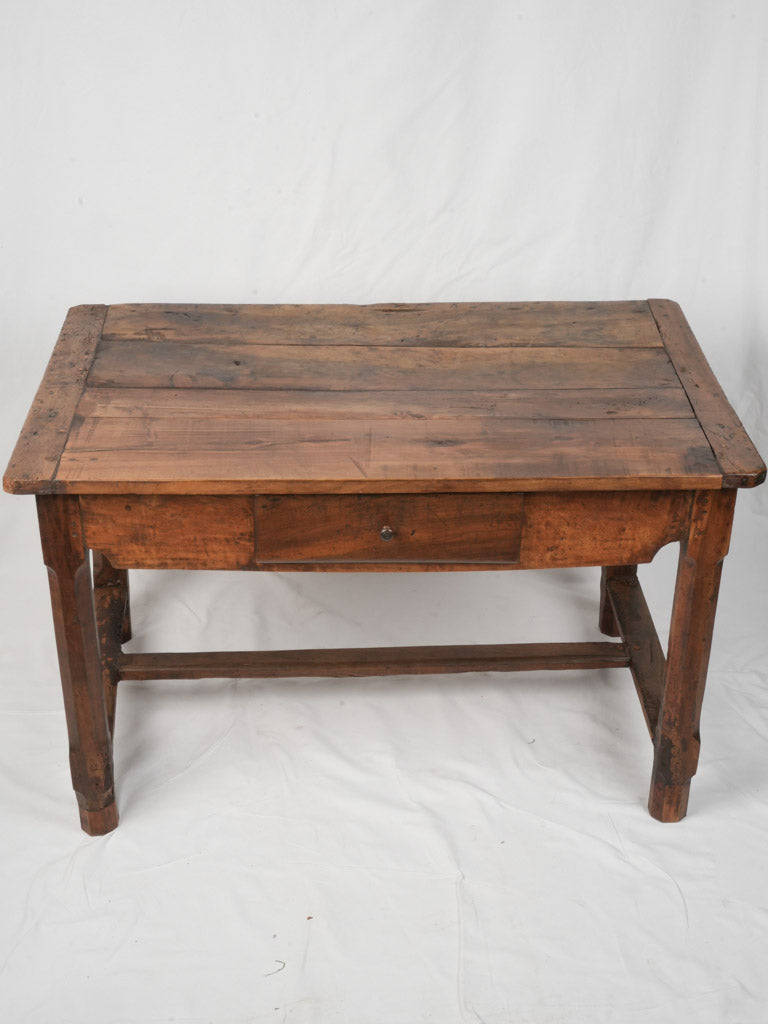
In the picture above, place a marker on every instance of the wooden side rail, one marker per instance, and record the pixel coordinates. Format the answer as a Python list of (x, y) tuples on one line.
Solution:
[(374, 661)]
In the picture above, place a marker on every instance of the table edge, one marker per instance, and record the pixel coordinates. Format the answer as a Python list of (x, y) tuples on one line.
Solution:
[(734, 452), (36, 455), (234, 487)]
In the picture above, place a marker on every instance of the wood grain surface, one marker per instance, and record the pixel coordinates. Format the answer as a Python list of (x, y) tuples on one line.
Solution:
[(195, 399), (373, 661), (382, 438), (401, 324), (36, 457), (337, 532)]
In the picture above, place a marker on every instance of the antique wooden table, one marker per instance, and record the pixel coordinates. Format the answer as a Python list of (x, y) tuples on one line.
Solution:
[(390, 437)]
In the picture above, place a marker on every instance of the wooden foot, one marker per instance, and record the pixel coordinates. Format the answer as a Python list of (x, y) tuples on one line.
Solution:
[(98, 823), (668, 803), (677, 739), (90, 740)]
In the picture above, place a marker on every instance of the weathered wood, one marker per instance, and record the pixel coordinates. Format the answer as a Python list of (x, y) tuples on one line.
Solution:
[(677, 739), (373, 661), (389, 528), (37, 453), (635, 627), (482, 435), (740, 462), (619, 528), (522, 392), (126, 628), (90, 740), (558, 530), (606, 619), (290, 405), (401, 566), (171, 531), (343, 533), (110, 599), (233, 456), (153, 364), (398, 324)]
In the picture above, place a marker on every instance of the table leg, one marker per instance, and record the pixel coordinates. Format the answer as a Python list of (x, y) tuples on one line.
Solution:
[(677, 739), (607, 620), (126, 627), (90, 741), (110, 598)]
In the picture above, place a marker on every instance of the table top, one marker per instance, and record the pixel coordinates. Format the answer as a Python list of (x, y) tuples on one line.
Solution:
[(211, 399)]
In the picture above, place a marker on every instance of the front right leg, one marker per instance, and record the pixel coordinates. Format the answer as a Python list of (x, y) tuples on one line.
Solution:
[(677, 740)]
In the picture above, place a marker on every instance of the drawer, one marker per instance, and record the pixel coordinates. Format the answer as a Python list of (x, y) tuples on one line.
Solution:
[(466, 529)]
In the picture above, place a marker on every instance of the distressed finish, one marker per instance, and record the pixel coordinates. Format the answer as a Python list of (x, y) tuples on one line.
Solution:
[(436, 437), (676, 739), (86, 702)]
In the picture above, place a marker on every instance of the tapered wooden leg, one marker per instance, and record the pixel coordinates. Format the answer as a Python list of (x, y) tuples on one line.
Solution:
[(110, 598), (607, 620), (90, 741), (677, 739)]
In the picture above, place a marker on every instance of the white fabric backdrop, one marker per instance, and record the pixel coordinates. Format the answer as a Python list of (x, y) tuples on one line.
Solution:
[(455, 849)]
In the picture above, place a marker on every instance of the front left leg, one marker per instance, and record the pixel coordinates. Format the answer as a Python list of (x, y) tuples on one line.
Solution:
[(90, 740)]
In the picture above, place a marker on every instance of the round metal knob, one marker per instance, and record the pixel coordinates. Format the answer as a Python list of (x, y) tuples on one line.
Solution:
[(387, 533)]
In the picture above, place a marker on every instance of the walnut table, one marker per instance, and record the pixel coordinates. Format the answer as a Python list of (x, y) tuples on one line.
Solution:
[(392, 438)]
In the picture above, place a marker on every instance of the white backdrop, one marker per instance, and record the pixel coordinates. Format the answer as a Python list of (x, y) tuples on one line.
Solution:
[(456, 849)]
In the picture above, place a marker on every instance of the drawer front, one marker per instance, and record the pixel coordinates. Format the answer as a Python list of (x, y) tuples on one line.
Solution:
[(468, 529)]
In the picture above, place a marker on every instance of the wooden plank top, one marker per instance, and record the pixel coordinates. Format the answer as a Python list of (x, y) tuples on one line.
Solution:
[(201, 399)]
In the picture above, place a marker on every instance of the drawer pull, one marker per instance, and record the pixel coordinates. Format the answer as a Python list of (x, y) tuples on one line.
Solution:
[(387, 533)]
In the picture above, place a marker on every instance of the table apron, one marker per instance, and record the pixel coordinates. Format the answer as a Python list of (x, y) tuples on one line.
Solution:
[(392, 533)]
